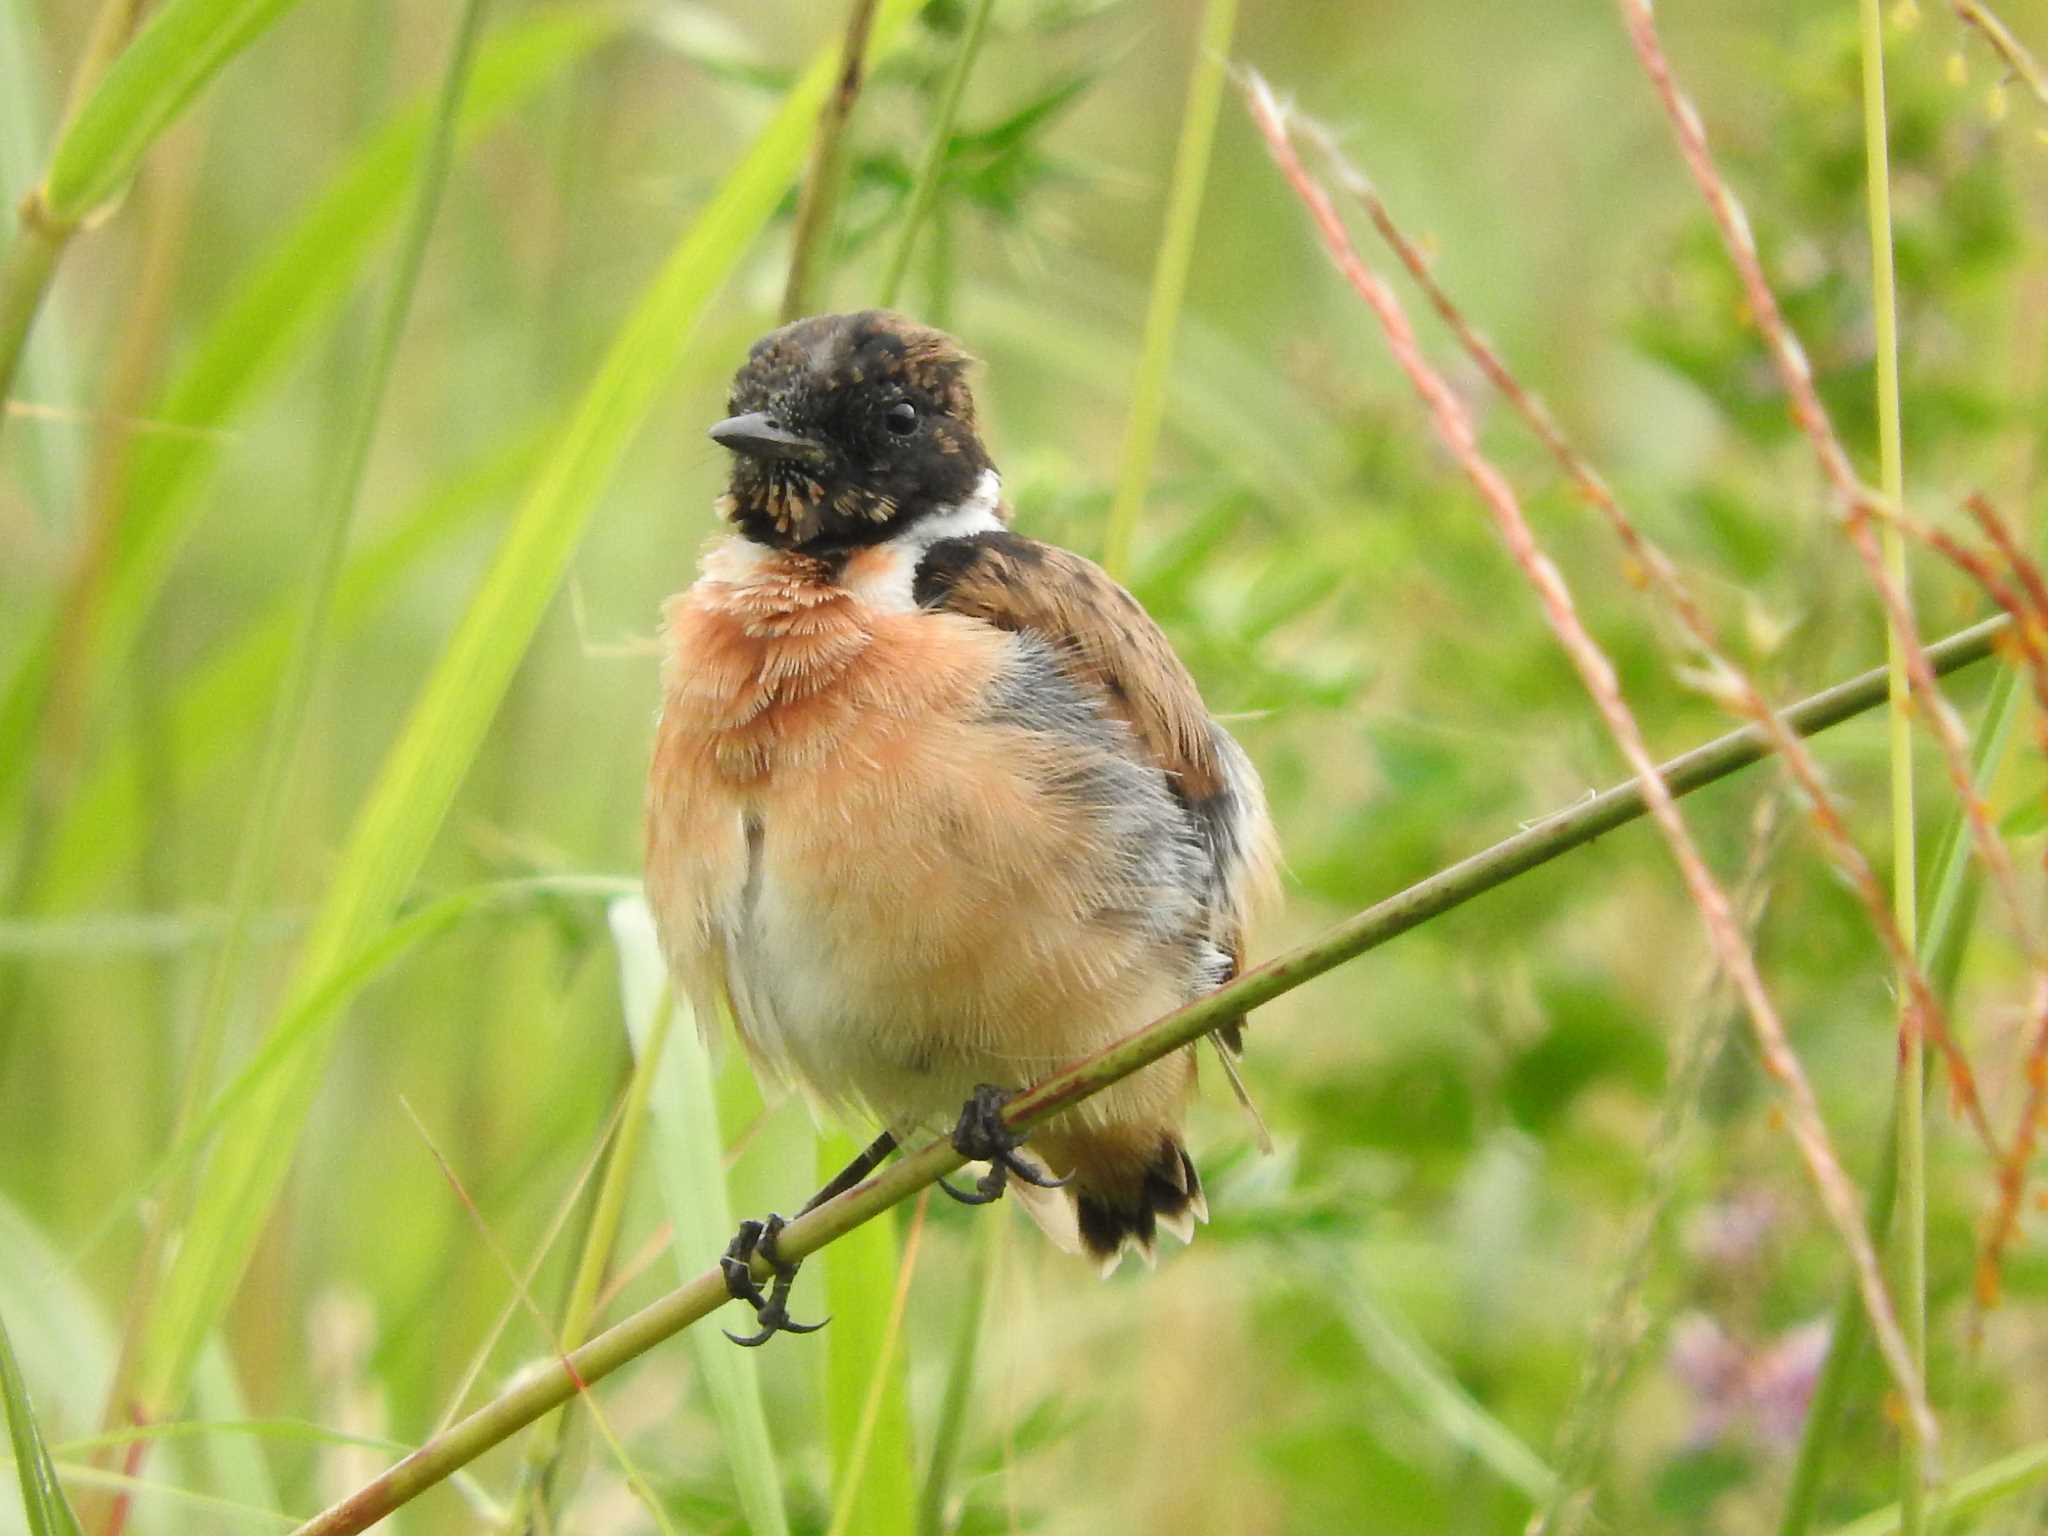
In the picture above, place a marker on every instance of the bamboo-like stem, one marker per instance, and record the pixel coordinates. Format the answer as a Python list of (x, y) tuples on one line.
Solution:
[(1941, 945), (39, 239), (1536, 845), (264, 824), (810, 249), (932, 167), (1910, 1280), (1169, 282)]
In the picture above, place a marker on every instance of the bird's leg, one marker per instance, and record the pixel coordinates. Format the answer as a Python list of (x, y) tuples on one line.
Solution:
[(981, 1136), (771, 1309)]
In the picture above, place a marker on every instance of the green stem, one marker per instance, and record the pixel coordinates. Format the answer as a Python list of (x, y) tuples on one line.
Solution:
[(1941, 943), (528, 1512), (1586, 820), (933, 166), (951, 1429), (39, 239), (1967, 1496), (1169, 282), (264, 824), (1910, 1285), (810, 246)]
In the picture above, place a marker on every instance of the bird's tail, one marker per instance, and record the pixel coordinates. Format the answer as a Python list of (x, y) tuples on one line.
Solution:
[(1125, 1189)]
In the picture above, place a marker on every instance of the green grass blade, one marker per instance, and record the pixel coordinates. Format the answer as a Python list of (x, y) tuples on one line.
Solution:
[(49, 461), (99, 832), (1966, 1496), (950, 1432), (42, 1498), (1436, 1395), (265, 327), (874, 1493), (1169, 281), (432, 755), (181, 47), (1941, 946), (689, 1158)]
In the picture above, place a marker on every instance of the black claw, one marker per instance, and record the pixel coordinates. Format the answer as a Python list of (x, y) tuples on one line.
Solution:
[(771, 1311), (981, 1136)]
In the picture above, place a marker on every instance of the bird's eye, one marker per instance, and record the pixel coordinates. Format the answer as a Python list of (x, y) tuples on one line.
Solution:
[(900, 418)]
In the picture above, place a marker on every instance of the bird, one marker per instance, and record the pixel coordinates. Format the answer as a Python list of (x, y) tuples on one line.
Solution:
[(933, 806)]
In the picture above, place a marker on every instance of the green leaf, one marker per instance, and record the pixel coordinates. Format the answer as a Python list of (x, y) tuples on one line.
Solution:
[(873, 1491), (689, 1158), (273, 315), (432, 755), (181, 47), (49, 1514)]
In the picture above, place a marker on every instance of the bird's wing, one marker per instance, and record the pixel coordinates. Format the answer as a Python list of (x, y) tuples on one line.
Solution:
[(1110, 648)]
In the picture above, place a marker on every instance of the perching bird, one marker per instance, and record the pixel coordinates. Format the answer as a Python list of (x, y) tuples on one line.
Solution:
[(935, 805)]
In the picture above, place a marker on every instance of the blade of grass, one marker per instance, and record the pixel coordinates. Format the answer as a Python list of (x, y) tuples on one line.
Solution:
[(49, 461), (263, 824), (689, 1158), (1434, 1393), (1941, 942), (872, 1493), (1910, 1253), (99, 831), (1966, 1496), (1169, 282), (125, 102), (932, 166), (871, 1463), (534, 1502), (950, 1432), (1379, 924), (272, 317), (430, 758), (42, 1497)]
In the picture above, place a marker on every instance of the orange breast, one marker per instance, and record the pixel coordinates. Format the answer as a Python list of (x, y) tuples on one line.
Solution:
[(880, 875)]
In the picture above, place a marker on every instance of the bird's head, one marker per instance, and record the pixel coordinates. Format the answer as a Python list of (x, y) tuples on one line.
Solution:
[(846, 429)]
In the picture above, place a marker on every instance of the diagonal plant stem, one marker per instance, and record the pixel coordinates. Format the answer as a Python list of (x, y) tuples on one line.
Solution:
[(1169, 283), (464, 1441), (932, 167), (1454, 427), (810, 250)]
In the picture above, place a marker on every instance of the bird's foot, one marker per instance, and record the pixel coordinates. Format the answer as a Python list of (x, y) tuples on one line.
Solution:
[(771, 1310), (981, 1136)]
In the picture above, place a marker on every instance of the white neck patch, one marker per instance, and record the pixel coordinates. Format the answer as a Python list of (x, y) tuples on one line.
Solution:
[(884, 577)]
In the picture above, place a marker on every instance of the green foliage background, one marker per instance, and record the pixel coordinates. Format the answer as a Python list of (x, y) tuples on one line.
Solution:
[(1462, 1118)]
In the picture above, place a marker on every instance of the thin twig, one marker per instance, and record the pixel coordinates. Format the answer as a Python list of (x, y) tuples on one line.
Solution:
[(1980, 19), (461, 1443), (810, 245), (1454, 426)]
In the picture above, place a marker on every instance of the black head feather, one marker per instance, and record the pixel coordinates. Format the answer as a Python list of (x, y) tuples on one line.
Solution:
[(845, 428)]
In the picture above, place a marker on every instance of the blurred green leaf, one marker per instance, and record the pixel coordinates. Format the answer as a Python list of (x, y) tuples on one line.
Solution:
[(689, 1158), (42, 1497)]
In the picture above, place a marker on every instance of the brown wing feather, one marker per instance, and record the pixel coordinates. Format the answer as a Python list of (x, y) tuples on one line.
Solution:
[(1109, 646), (1105, 641)]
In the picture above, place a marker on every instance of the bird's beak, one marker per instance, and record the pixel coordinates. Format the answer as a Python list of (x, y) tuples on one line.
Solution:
[(756, 435)]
